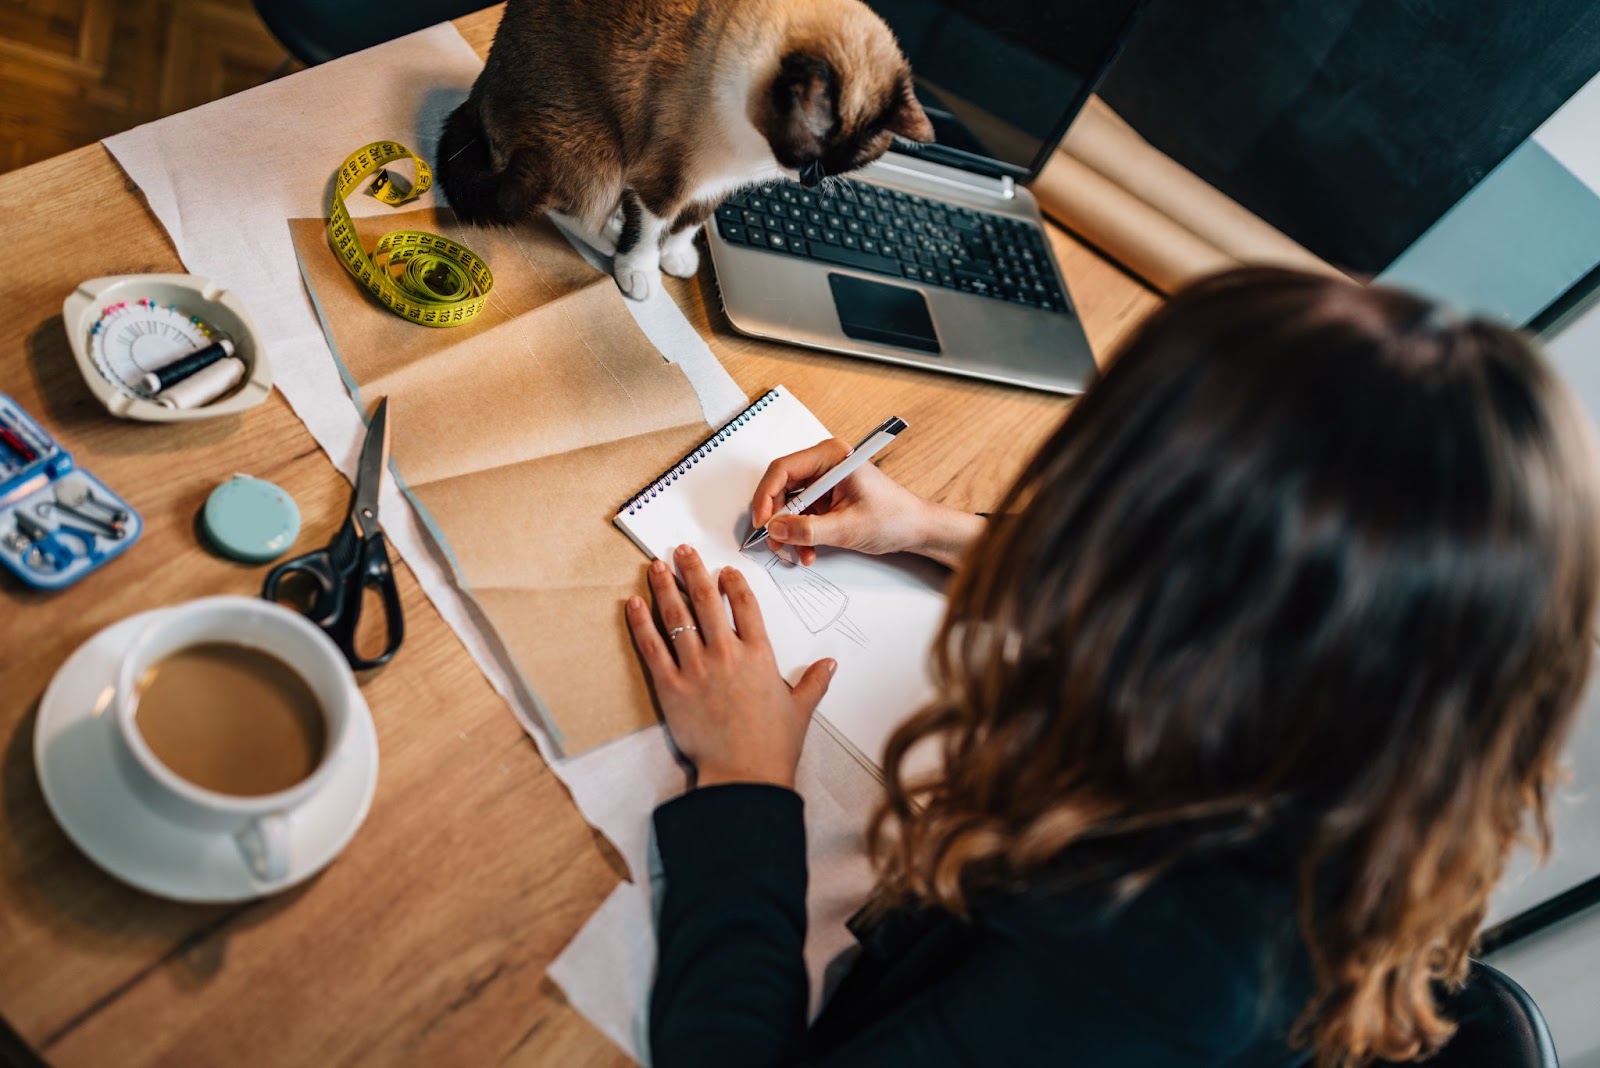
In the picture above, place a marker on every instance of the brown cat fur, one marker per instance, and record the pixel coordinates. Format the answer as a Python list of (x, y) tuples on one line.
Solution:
[(632, 119)]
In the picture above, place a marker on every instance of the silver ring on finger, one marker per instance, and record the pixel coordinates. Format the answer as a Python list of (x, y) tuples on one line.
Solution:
[(672, 635)]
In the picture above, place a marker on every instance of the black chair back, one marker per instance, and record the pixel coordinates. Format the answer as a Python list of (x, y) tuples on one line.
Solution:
[(315, 31), (1498, 1026)]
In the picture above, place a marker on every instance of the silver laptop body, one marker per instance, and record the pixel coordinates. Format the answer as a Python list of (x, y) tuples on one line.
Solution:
[(788, 298), (1005, 336)]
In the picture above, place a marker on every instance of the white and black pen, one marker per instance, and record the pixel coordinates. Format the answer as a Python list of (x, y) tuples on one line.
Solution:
[(871, 444)]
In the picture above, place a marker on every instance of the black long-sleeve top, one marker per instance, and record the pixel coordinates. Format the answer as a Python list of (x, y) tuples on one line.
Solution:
[(1204, 968)]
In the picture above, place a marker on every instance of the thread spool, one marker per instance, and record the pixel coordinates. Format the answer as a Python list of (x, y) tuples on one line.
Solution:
[(204, 386), (187, 366)]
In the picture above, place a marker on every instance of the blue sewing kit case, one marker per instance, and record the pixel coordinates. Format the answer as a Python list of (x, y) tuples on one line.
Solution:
[(57, 521)]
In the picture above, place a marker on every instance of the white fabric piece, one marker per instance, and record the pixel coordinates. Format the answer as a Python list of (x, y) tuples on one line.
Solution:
[(223, 179), (605, 970)]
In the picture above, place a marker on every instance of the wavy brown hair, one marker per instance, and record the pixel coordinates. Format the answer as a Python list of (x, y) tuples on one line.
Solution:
[(1310, 561)]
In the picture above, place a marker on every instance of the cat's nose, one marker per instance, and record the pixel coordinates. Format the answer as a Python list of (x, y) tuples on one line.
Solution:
[(812, 174)]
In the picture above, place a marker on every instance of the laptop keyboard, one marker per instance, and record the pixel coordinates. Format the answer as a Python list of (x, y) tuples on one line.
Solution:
[(885, 231)]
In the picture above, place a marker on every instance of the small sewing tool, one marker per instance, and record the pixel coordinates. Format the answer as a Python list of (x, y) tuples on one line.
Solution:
[(46, 552), (131, 339), (57, 521), (76, 500), (18, 446), (13, 441), (421, 277), (78, 495), (187, 365), (250, 520), (356, 560)]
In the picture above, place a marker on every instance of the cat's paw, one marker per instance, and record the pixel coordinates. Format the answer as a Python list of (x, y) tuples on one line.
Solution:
[(612, 230), (680, 260), (634, 276)]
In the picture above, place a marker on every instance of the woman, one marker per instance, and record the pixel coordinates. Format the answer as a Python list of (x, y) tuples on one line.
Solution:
[(1242, 702)]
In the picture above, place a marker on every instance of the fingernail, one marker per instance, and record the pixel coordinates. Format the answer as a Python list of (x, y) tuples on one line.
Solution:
[(658, 566), (635, 603), (683, 551), (780, 527), (833, 665)]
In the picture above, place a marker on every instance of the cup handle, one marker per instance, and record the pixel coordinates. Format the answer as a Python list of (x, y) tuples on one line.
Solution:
[(264, 844)]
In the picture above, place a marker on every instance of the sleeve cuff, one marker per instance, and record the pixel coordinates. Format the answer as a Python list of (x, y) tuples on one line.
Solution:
[(732, 828)]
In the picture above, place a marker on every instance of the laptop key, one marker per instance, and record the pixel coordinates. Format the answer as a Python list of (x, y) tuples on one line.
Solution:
[(900, 235), (845, 257)]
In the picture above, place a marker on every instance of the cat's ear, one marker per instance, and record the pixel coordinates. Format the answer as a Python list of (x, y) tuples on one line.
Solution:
[(905, 116), (806, 96)]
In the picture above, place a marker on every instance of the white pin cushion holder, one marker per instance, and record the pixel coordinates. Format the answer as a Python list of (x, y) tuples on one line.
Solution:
[(259, 824), (197, 296)]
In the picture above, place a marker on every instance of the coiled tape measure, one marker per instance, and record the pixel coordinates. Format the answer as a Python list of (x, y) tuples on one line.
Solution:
[(419, 276)]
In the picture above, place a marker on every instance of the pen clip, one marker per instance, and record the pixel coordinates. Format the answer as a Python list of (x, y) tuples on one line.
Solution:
[(892, 425)]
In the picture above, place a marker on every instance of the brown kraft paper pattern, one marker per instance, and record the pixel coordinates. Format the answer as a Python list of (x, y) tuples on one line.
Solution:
[(519, 435)]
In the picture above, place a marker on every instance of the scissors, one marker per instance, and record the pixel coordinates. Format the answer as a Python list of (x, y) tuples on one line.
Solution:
[(356, 560)]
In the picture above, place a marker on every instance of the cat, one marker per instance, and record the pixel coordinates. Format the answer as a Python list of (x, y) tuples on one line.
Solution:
[(630, 120)]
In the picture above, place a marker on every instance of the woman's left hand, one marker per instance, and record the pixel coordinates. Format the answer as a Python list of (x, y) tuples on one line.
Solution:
[(729, 711)]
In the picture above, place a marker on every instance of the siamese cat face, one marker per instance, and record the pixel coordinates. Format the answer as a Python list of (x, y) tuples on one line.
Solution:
[(820, 122)]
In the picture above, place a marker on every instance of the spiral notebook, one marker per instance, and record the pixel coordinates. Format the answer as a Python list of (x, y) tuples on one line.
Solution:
[(875, 615)]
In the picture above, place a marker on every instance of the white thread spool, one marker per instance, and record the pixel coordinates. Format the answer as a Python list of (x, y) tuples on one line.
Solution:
[(204, 386)]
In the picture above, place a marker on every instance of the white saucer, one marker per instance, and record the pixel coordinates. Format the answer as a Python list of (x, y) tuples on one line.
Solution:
[(90, 799)]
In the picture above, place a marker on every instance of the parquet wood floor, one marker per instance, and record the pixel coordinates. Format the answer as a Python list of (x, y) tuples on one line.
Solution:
[(74, 71)]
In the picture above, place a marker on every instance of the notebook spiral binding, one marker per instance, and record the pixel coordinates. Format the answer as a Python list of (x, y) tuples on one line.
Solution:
[(698, 453)]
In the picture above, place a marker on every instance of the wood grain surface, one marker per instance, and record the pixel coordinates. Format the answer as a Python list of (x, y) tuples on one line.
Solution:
[(74, 71), (427, 940)]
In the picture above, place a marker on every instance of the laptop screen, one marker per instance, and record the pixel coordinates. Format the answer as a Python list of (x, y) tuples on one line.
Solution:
[(1003, 79)]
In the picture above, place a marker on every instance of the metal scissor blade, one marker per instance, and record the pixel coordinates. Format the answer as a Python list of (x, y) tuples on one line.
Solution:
[(369, 475)]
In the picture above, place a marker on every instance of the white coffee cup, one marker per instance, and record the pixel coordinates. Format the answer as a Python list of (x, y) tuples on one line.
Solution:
[(259, 825)]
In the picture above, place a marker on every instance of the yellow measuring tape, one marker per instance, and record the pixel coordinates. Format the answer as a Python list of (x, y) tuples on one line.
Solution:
[(420, 276)]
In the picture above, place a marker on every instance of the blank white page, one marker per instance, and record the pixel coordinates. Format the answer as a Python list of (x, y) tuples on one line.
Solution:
[(876, 616)]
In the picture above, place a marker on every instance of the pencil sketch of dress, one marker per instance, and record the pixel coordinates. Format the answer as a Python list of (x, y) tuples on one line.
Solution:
[(816, 602)]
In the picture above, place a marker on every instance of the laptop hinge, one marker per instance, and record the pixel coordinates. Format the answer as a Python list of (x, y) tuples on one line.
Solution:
[(1008, 188)]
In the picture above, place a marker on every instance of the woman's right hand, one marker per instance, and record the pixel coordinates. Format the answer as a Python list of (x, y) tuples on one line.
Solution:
[(868, 512)]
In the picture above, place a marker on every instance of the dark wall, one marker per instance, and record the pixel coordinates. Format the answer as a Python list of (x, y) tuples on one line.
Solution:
[(1351, 125)]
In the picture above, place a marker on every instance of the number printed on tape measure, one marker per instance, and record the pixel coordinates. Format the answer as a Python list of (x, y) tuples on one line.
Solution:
[(426, 278)]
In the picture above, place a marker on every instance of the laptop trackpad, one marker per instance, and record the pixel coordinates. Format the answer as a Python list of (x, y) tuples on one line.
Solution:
[(892, 315)]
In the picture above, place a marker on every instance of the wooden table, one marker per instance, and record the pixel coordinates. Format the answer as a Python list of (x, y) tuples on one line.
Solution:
[(427, 941)]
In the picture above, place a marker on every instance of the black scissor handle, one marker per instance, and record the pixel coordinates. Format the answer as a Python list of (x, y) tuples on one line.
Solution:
[(328, 600), (372, 572)]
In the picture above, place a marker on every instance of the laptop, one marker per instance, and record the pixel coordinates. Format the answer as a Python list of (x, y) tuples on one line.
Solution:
[(934, 255)]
